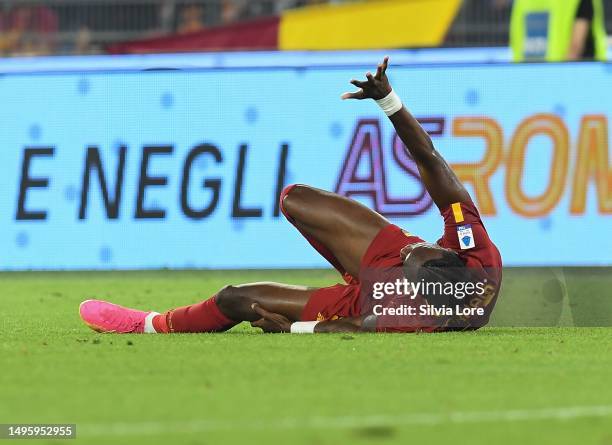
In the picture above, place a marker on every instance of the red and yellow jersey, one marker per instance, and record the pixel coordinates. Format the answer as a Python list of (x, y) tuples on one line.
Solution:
[(464, 233)]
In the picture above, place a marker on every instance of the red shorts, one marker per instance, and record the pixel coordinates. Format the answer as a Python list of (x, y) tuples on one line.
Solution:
[(343, 300)]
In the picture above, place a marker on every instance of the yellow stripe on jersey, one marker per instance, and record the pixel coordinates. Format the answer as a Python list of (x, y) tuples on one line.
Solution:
[(457, 212)]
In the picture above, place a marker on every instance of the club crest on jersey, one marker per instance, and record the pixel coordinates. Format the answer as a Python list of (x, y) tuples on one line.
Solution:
[(466, 237)]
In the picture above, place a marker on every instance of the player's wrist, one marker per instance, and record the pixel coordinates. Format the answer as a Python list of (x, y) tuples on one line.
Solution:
[(303, 327), (390, 104)]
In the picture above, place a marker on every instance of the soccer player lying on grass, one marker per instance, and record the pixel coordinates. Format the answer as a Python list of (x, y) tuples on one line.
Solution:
[(364, 247)]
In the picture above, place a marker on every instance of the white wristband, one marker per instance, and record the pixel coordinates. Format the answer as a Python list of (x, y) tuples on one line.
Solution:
[(303, 327), (390, 104)]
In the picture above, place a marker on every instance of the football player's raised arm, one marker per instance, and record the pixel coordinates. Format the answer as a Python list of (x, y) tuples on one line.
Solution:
[(440, 181)]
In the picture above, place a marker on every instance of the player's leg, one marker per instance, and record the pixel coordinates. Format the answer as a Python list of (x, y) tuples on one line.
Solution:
[(340, 229), (285, 299), (228, 307)]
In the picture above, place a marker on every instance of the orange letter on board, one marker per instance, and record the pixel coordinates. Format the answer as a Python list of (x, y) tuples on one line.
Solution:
[(592, 163), (478, 174), (539, 124)]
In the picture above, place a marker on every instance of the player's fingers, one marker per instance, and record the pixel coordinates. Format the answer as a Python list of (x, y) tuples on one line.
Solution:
[(265, 326), (359, 84), (355, 95), (259, 310), (379, 72), (258, 323), (264, 313), (385, 65), (370, 77)]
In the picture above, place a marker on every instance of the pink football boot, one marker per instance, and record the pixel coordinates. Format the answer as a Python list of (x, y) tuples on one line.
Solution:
[(102, 316)]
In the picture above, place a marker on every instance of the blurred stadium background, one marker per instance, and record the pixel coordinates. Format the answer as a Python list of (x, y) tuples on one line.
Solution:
[(90, 27), (157, 135)]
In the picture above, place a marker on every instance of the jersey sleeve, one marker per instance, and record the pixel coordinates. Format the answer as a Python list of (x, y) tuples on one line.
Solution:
[(464, 232)]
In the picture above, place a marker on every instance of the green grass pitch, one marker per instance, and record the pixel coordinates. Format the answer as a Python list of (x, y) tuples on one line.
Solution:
[(500, 385)]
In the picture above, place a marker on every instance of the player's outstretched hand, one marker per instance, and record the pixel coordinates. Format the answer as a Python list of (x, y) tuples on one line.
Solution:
[(375, 87), (270, 322)]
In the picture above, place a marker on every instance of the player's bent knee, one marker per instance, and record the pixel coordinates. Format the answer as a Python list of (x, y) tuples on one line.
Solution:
[(227, 298), (284, 196), (293, 198), (234, 302)]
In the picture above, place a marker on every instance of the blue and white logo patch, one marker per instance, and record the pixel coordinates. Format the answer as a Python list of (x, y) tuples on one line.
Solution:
[(466, 237)]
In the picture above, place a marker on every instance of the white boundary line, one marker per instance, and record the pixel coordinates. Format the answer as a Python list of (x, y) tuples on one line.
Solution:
[(343, 422)]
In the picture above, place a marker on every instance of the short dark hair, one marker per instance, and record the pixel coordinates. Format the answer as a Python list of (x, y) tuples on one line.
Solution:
[(448, 259), (449, 268)]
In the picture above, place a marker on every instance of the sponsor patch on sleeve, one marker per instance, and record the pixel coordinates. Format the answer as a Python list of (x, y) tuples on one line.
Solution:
[(466, 237)]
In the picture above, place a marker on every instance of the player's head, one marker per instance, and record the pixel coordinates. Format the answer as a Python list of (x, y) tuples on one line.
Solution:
[(418, 255), (433, 264)]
